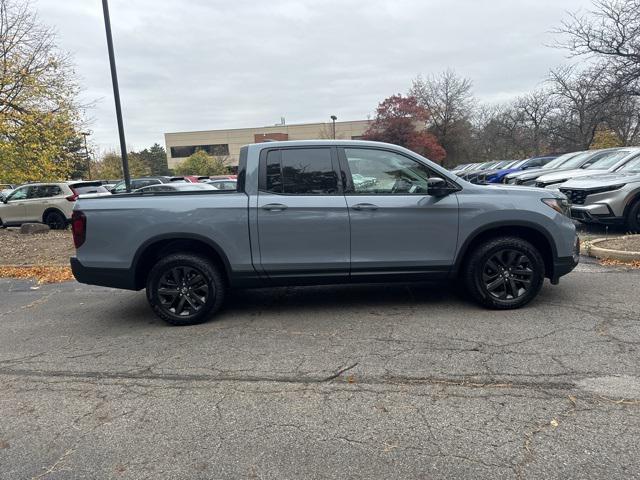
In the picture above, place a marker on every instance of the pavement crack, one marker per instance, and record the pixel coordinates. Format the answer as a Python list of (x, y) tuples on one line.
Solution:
[(338, 373)]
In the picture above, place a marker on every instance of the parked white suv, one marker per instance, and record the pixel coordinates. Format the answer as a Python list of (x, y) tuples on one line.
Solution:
[(50, 203)]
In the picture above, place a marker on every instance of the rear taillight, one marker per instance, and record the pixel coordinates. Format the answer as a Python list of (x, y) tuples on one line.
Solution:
[(79, 228), (72, 198)]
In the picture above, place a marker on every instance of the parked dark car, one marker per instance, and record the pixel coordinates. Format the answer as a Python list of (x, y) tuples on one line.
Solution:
[(530, 163), (137, 183)]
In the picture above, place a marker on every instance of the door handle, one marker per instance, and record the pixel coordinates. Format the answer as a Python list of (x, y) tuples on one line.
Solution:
[(274, 207), (364, 206)]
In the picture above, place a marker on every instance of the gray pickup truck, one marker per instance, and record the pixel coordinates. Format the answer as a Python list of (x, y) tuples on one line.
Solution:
[(324, 212)]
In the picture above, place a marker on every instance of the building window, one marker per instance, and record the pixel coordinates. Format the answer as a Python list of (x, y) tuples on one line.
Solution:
[(220, 150)]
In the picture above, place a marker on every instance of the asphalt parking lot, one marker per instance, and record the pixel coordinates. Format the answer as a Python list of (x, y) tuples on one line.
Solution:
[(323, 382)]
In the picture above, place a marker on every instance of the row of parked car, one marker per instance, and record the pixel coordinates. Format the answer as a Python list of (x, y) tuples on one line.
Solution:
[(603, 186), (52, 202)]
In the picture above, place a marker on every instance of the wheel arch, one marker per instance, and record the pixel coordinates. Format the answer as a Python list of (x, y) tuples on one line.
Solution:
[(538, 236), (635, 197), (161, 245), (49, 210)]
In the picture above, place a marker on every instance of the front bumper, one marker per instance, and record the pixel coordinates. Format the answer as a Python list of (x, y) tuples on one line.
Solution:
[(595, 213), (564, 265)]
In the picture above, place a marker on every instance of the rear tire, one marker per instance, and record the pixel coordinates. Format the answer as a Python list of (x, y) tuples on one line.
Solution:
[(504, 273), (633, 218), (55, 220), (185, 289)]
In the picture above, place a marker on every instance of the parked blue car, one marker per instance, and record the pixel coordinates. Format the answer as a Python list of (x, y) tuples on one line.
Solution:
[(534, 162)]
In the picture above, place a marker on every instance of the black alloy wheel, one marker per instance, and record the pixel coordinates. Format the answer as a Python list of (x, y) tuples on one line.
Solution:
[(185, 289), (504, 273), (507, 274)]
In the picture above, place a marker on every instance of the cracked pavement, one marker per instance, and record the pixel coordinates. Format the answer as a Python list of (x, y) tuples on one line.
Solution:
[(389, 381)]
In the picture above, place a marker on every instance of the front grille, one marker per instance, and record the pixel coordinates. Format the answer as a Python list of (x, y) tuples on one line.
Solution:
[(576, 197)]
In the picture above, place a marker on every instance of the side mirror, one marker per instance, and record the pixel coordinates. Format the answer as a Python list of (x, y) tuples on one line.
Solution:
[(438, 187)]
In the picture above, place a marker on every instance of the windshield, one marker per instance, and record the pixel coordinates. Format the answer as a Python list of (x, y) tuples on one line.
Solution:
[(632, 167), (487, 165), (560, 160), (577, 161), (609, 161)]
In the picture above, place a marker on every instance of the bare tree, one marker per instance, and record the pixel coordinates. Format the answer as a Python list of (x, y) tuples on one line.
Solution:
[(609, 32), (583, 99), (449, 100), (533, 111), (623, 119)]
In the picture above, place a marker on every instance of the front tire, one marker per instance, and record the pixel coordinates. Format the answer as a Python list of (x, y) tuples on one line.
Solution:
[(185, 289), (504, 273), (633, 218)]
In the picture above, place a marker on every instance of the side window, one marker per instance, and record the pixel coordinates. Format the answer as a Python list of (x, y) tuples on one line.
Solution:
[(19, 194), (143, 183), (46, 191), (386, 173), (301, 171)]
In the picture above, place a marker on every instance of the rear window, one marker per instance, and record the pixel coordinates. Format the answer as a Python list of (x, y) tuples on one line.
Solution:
[(87, 190), (300, 171)]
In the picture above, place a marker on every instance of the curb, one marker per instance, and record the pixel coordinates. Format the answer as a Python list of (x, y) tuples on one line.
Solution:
[(608, 254)]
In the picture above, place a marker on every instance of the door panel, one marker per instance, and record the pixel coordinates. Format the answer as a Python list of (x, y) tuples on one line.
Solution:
[(396, 226), (397, 233), (302, 235), (14, 210), (303, 223)]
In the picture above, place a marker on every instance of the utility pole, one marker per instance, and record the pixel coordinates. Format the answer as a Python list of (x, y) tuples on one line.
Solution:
[(86, 150), (116, 95), (334, 118)]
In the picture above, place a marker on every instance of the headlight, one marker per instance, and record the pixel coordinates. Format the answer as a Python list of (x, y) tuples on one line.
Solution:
[(560, 205)]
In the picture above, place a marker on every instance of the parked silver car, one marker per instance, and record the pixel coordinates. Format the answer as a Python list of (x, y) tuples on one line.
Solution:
[(612, 198), (610, 161)]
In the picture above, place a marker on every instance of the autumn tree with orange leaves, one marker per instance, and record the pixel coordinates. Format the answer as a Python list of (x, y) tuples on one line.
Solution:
[(401, 121)]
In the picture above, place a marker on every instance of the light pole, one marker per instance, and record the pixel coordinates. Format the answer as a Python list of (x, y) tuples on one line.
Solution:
[(334, 118), (86, 151), (116, 95)]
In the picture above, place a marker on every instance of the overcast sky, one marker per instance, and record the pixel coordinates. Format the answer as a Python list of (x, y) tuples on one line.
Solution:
[(211, 64)]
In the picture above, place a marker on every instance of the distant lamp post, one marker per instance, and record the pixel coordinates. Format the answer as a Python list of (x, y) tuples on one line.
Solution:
[(116, 95), (86, 151), (334, 118)]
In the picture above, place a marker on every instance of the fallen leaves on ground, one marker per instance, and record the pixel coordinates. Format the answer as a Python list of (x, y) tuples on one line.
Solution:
[(43, 273), (618, 263)]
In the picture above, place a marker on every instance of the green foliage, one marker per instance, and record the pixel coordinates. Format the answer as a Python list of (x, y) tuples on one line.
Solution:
[(200, 163), (605, 138), (110, 166), (156, 159), (35, 147), (39, 118)]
